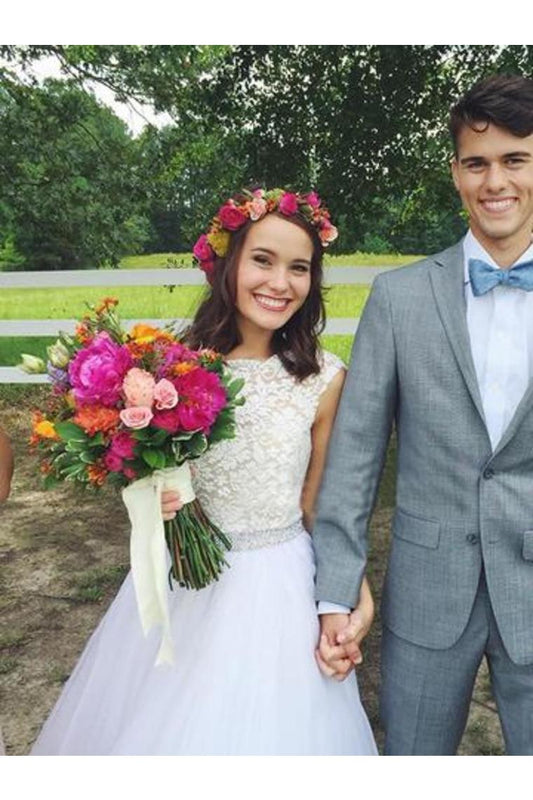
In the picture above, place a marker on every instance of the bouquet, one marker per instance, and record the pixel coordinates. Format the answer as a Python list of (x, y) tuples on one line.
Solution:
[(131, 409)]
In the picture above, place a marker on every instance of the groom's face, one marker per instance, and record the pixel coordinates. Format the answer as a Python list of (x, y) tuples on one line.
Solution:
[(493, 173)]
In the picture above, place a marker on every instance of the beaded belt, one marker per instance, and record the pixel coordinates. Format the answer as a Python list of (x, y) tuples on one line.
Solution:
[(250, 540)]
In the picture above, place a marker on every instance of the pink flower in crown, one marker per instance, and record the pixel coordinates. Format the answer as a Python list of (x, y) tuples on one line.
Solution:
[(258, 192), (209, 268), (136, 417), (288, 204), (138, 387), (328, 232), (96, 372), (258, 208), (165, 394), (202, 250), (201, 398), (122, 445), (313, 200), (231, 217)]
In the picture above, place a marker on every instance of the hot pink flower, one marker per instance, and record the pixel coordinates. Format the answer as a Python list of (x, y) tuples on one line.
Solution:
[(201, 398), (138, 387), (288, 204), (231, 217), (313, 199), (136, 417), (165, 394), (122, 445), (113, 461), (97, 371), (258, 208), (168, 420), (202, 250)]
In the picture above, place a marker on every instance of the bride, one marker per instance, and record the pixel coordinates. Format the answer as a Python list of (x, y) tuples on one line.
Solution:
[(244, 679)]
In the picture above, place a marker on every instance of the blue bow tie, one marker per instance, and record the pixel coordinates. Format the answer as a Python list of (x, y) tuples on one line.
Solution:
[(484, 277)]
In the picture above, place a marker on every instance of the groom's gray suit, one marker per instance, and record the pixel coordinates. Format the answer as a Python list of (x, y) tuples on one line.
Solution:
[(463, 524)]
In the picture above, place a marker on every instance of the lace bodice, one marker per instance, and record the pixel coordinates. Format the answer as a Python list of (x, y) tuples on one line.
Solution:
[(254, 482)]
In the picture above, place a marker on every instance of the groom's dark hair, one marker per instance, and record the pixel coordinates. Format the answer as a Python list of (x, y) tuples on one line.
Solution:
[(502, 100)]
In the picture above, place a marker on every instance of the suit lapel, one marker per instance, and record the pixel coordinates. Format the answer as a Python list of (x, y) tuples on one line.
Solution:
[(523, 407), (447, 280)]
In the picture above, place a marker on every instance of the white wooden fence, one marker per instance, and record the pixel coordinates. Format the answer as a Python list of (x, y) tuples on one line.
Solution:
[(148, 277)]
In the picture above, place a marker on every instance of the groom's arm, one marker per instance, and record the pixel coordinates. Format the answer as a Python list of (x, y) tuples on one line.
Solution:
[(356, 454)]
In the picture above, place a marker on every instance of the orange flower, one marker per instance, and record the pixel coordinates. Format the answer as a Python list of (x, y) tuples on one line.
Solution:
[(44, 429), (97, 474), (97, 418), (83, 334), (183, 367), (105, 304), (144, 333), (45, 467)]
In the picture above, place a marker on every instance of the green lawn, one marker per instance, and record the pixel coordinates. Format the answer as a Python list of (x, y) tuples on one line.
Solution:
[(177, 260)]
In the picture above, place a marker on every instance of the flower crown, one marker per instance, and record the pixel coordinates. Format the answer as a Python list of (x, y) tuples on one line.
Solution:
[(254, 206)]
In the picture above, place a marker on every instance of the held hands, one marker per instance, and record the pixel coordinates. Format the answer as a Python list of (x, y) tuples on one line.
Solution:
[(170, 503), (339, 648)]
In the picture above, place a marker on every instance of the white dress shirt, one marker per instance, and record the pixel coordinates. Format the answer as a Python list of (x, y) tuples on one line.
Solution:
[(500, 326)]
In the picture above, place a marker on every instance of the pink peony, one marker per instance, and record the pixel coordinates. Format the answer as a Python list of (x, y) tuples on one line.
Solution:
[(231, 217), (208, 267), (201, 398), (328, 232), (138, 387), (313, 200), (175, 354), (122, 445), (129, 473), (202, 250), (136, 417), (113, 461), (258, 209), (97, 371), (165, 394)]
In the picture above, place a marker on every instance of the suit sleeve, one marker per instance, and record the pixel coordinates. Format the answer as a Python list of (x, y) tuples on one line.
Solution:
[(356, 454)]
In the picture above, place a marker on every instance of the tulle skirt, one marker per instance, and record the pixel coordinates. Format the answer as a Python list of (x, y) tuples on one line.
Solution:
[(244, 681)]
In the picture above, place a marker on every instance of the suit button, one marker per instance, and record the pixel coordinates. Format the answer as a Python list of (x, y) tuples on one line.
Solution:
[(472, 538), (488, 473)]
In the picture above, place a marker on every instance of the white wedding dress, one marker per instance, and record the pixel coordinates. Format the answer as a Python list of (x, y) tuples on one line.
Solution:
[(245, 680)]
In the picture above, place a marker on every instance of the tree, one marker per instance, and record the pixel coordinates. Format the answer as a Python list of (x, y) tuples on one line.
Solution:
[(69, 188)]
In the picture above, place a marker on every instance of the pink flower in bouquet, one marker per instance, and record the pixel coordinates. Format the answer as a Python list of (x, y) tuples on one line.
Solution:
[(122, 445), (313, 200), (202, 250), (138, 387), (167, 419), (201, 398), (129, 473), (165, 394), (258, 208), (231, 217), (288, 204), (136, 417), (96, 372), (113, 461), (175, 354), (328, 232)]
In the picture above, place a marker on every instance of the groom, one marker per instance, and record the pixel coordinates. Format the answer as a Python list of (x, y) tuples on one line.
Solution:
[(444, 351)]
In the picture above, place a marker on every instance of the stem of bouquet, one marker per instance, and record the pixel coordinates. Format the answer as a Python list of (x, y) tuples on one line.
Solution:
[(196, 547)]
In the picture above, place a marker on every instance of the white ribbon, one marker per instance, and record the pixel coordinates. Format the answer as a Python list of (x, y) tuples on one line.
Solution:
[(148, 549)]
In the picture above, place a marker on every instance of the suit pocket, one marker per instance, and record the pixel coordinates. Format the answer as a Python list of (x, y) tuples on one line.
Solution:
[(527, 546), (419, 531)]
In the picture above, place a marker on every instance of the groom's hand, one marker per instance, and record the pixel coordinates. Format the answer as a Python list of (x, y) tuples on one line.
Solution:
[(333, 658)]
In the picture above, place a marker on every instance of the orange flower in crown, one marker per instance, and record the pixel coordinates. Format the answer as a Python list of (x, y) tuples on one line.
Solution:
[(253, 206)]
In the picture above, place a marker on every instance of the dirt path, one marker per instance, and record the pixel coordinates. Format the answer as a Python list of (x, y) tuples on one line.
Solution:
[(62, 557)]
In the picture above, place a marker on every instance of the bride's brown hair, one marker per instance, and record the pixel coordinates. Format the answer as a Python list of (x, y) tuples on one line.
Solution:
[(296, 343)]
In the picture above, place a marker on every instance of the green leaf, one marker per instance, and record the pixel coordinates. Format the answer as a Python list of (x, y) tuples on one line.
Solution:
[(69, 431), (197, 445), (154, 458)]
